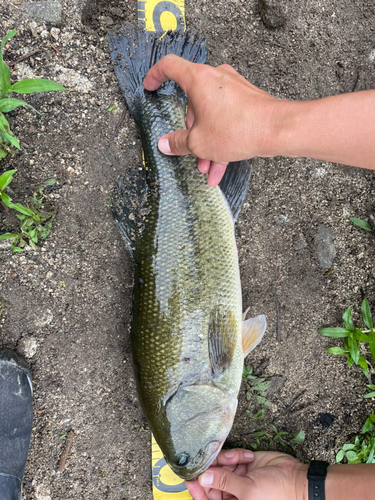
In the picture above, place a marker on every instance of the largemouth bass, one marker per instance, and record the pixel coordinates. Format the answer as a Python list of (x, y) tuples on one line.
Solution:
[(187, 333)]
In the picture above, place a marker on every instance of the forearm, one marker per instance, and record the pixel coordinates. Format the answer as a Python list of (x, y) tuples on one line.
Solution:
[(340, 129), (347, 482)]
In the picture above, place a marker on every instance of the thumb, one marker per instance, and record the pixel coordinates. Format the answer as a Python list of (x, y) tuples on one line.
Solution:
[(174, 143), (224, 480)]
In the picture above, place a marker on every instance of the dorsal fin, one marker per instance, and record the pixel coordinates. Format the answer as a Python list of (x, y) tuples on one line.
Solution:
[(235, 185)]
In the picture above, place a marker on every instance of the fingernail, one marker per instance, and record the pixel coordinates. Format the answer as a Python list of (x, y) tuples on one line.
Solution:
[(207, 479), (249, 454), (230, 453), (163, 146)]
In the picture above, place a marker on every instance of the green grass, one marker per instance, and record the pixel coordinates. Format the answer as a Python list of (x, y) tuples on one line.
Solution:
[(36, 219), (363, 448), (359, 348), (358, 343), (264, 435), (7, 103)]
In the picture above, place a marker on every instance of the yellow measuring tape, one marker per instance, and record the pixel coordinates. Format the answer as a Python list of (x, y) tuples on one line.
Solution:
[(165, 484), (161, 16)]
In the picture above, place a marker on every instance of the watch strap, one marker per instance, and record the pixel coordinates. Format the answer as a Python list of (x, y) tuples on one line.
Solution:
[(316, 476)]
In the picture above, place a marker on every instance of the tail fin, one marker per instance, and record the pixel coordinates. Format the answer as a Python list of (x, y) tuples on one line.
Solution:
[(134, 51)]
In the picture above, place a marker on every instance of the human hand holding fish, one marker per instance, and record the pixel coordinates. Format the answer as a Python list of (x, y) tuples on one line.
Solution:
[(230, 119), (266, 475), (244, 475), (217, 131)]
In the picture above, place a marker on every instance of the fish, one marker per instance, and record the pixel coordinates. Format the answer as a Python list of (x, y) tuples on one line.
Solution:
[(188, 334)]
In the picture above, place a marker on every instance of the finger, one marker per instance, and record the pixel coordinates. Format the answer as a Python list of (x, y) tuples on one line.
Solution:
[(196, 490), (203, 165), (223, 480), (174, 143), (235, 456), (170, 67), (217, 170)]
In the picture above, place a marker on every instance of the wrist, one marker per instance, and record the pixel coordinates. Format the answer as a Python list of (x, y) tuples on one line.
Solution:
[(302, 492), (281, 130)]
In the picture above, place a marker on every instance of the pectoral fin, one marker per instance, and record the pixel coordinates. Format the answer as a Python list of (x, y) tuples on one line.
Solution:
[(252, 333), (221, 339)]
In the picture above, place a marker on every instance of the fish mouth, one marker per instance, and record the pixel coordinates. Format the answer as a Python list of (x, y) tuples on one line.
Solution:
[(213, 448)]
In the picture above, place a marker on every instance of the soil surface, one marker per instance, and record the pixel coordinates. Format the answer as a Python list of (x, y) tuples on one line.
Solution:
[(302, 261)]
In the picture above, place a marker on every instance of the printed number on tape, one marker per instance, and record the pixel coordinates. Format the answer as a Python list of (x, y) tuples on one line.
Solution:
[(161, 15)]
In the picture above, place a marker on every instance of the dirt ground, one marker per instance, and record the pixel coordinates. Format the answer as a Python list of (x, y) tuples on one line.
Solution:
[(71, 299)]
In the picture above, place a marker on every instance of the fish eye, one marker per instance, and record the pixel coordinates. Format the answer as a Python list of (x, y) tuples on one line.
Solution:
[(181, 459)]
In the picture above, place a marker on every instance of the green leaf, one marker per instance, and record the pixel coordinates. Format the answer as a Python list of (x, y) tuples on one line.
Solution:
[(4, 41), (363, 364), (334, 332), (261, 400), (369, 395), (353, 349), (340, 455), (263, 386), (347, 319), (7, 236), (7, 200), (351, 455), (30, 85), (3, 153), (361, 336), (33, 235), (4, 70), (9, 136), (348, 446), (361, 223), (7, 105), (371, 387), (6, 179), (4, 79), (370, 459), (298, 438), (368, 426), (372, 343), (366, 314), (49, 182), (337, 351), (16, 206), (350, 360)]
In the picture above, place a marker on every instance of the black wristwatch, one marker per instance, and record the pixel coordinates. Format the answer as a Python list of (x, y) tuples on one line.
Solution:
[(316, 476)]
